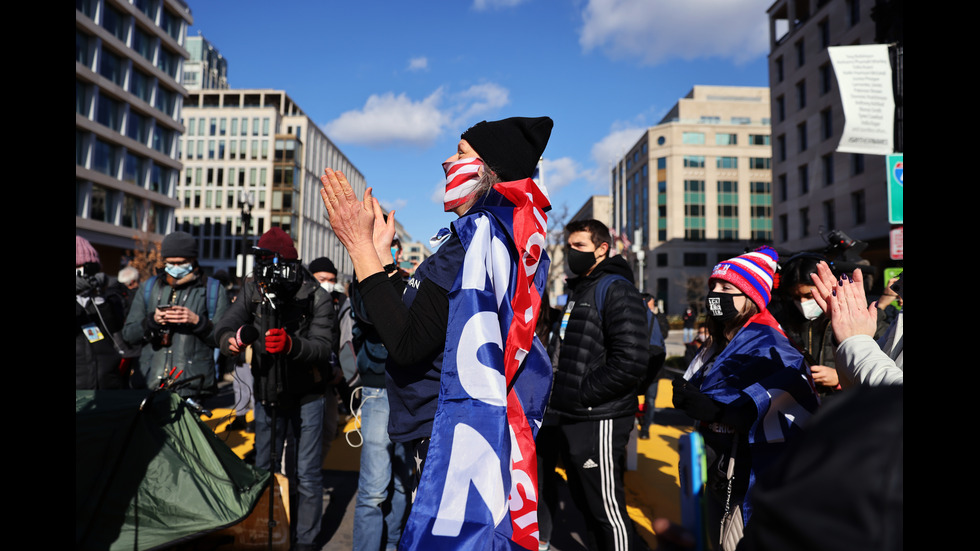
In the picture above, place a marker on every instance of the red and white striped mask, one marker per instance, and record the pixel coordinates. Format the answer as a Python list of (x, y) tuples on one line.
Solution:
[(462, 177)]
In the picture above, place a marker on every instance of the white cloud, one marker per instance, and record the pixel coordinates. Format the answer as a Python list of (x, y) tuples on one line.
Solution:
[(482, 5), (418, 63), (614, 145), (394, 204), (560, 172), (438, 195), (388, 119), (653, 31), (479, 99)]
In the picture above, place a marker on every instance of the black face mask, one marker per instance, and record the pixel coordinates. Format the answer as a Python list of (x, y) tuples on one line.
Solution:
[(721, 306), (579, 262)]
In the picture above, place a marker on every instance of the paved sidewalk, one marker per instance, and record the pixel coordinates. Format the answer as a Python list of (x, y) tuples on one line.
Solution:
[(651, 490)]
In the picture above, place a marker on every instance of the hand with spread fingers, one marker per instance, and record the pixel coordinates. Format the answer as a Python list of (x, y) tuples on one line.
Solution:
[(358, 223), (850, 313)]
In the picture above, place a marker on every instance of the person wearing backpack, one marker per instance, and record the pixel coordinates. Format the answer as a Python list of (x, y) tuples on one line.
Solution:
[(172, 318), (601, 363)]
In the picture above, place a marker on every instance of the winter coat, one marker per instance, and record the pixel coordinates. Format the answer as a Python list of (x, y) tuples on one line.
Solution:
[(97, 363), (603, 359), (191, 348), (311, 323)]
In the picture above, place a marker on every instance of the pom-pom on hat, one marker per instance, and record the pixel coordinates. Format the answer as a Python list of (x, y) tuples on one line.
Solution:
[(84, 251), (279, 241), (752, 273), (510, 147)]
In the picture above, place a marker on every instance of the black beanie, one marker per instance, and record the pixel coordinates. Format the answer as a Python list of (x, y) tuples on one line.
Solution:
[(510, 147), (179, 244), (323, 264)]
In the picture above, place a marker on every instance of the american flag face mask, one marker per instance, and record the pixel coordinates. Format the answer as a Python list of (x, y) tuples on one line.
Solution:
[(462, 177)]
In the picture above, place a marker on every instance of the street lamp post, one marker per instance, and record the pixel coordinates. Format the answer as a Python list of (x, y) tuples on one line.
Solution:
[(245, 202)]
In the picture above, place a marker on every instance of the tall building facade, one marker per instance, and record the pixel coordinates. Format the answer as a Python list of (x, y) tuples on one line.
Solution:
[(129, 56), (816, 189), (696, 189), (256, 150), (206, 69)]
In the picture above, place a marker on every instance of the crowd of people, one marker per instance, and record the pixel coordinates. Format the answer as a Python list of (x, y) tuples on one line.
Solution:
[(466, 376)]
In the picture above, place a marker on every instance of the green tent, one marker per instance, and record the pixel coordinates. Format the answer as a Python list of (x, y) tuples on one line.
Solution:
[(152, 477)]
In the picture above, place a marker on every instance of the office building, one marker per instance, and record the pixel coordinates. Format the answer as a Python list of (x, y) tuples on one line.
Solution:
[(257, 147), (816, 189), (695, 189), (129, 56), (206, 69)]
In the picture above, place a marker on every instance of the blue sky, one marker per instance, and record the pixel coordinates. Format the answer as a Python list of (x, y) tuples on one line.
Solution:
[(394, 83)]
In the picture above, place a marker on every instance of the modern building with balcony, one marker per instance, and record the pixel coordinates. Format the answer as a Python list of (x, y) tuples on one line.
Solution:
[(695, 189), (129, 56), (256, 151)]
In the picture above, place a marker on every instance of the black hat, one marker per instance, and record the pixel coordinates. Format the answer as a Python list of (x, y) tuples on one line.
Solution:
[(510, 147), (323, 264), (179, 244)]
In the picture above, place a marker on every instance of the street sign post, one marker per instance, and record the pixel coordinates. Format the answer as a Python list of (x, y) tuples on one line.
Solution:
[(895, 189)]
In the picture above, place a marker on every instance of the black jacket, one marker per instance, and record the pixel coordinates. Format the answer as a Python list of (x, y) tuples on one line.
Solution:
[(310, 322), (97, 363), (602, 360)]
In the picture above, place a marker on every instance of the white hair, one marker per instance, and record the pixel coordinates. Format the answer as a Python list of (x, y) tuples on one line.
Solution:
[(128, 275)]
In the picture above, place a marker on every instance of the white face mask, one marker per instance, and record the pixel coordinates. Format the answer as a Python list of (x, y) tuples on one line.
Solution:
[(331, 287), (810, 309)]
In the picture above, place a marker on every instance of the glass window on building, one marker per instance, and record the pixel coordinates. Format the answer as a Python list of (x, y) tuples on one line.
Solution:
[(803, 175), (265, 126), (105, 158), (693, 138), (726, 162), (805, 222), (694, 210), (695, 259), (829, 216), (759, 163), (726, 139), (693, 161), (759, 139), (114, 21), (827, 164), (826, 124), (255, 126), (858, 212), (111, 67)]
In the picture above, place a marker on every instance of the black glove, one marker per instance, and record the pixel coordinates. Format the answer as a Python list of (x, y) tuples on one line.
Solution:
[(694, 402)]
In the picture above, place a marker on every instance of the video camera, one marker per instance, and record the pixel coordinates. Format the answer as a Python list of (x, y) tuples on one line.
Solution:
[(274, 273)]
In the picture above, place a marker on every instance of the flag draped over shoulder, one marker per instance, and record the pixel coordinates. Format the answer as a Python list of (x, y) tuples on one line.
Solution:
[(761, 363), (479, 486)]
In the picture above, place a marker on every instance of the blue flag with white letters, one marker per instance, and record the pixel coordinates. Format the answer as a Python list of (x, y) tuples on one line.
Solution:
[(478, 489)]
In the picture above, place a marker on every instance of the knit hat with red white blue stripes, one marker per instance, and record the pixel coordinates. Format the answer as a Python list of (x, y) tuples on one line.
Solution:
[(752, 273)]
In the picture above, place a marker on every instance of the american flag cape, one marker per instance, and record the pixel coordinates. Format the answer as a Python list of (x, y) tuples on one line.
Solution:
[(479, 486), (761, 363)]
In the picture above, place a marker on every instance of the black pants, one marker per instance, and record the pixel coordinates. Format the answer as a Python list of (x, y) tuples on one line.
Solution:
[(594, 454)]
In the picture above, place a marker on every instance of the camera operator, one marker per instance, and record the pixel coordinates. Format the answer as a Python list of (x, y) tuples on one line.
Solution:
[(171, 318), (289, 321), (98, 315)]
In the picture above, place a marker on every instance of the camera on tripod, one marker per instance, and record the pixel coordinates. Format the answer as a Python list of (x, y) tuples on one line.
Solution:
[(272, 272)]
